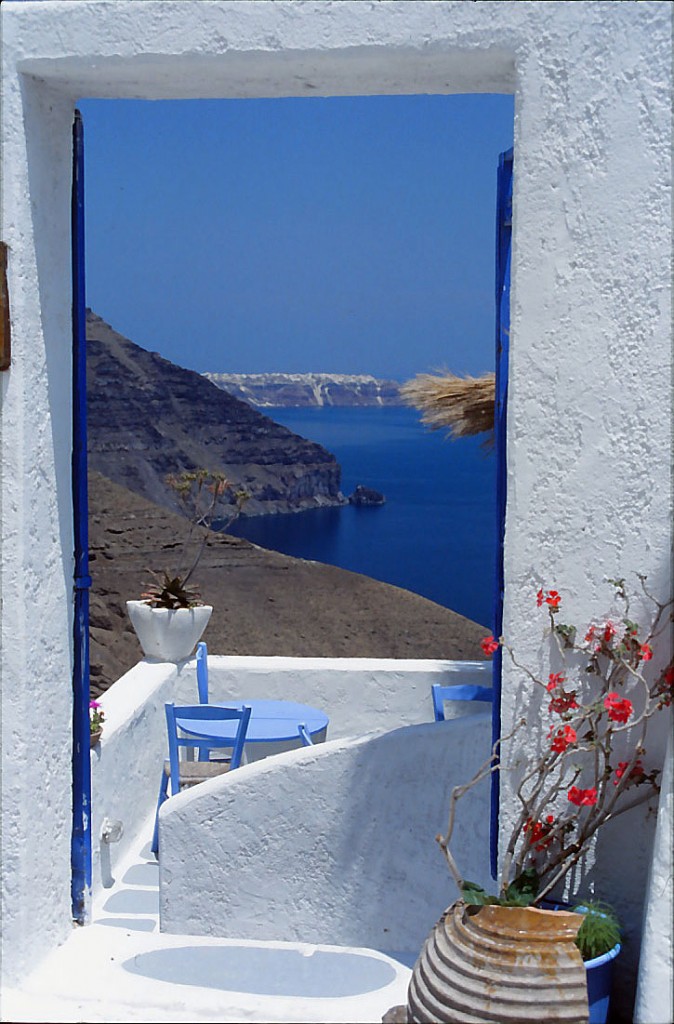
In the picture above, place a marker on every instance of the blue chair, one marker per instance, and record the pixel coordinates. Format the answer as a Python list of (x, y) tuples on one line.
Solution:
[(202, 672), (304, 735), (182, 774), (465, 691)]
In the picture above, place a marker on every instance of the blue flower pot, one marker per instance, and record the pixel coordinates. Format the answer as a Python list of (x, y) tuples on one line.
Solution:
[(599, 974)]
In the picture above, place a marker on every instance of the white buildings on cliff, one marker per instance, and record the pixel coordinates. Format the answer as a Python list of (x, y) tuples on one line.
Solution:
[(588, 444)]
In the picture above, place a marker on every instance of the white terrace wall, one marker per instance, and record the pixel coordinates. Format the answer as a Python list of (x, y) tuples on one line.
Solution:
[(358, 694), (330, 844), (590, 384)]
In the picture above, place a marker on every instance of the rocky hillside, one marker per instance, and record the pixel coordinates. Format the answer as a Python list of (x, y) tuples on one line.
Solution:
[(267, 390), (148, 418), (264, 603)]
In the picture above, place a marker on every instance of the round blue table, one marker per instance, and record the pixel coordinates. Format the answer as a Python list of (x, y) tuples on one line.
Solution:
[(271, 721)]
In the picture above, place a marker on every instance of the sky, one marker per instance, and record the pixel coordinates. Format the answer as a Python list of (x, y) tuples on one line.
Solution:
[(336, 235)]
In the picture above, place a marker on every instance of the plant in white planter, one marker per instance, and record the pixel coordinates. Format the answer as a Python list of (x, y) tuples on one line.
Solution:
[(170, 616)]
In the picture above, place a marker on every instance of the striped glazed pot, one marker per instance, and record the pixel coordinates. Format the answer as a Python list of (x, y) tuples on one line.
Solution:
[(505, 964)]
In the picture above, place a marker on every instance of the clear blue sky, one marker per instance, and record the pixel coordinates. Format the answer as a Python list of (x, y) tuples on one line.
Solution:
[(347, 235)]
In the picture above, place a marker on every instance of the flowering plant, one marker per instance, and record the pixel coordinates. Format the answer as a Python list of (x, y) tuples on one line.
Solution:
[(203, 497), (96, 717), (593, 763)]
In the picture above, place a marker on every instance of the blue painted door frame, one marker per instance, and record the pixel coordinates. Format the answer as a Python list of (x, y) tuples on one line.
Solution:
[(81, 829), (504, 205)]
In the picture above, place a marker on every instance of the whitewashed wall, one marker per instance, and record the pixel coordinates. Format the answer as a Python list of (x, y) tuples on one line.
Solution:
[(590, 385), (333, 843), (357, 694), (126, 765)]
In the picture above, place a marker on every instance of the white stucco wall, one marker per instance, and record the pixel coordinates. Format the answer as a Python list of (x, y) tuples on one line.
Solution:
[(357, 694), (589, 442), (126, 765), (655, 991), (330, 843)]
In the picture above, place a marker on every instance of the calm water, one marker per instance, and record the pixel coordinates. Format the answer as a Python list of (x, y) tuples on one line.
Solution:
[(435, 534)]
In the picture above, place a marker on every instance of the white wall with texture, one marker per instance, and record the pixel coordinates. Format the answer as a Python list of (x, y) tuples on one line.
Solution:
[(589, 440)]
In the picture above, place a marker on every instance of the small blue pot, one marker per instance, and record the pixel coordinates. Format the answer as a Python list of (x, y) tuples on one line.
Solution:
[(599, 974)]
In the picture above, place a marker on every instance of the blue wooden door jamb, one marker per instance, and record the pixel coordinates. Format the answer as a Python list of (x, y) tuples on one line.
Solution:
[(81, 832), (504, 202)]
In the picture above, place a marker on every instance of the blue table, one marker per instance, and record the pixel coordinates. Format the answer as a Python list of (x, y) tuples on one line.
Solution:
[(271, 721)]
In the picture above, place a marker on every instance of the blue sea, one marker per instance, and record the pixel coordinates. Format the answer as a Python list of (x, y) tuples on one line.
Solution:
[(436, 533)]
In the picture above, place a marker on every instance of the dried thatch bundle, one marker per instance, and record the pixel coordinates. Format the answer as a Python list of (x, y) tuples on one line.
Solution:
[(462, 405)]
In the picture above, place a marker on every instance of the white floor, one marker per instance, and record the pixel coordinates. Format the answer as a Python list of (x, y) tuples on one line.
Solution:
[(121, 968)]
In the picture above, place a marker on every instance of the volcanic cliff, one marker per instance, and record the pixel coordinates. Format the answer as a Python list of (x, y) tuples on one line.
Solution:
[(148, 417)]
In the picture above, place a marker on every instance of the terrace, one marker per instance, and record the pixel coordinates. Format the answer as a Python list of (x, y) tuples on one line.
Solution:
[(290, 890)]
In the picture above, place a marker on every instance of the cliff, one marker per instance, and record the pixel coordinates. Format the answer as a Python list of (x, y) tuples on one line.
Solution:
[(267, 390), (148, 417)]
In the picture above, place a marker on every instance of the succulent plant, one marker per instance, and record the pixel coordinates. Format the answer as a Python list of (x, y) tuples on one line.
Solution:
[(202, 494)]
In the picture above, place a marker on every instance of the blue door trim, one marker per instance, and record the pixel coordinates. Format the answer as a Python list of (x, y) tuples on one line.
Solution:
[(504, 201), (81, 832)]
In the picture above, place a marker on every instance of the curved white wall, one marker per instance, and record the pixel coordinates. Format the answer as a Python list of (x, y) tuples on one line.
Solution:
[(334, 843)]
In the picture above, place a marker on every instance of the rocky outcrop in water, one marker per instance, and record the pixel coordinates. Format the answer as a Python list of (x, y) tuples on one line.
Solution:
[(267, 390), (148, 418), (366, 496)]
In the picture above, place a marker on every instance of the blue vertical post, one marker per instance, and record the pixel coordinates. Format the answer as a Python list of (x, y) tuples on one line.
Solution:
[(81, 833), (504, 202)]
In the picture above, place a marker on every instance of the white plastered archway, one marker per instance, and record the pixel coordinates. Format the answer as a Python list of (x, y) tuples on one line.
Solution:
[(591, 256)]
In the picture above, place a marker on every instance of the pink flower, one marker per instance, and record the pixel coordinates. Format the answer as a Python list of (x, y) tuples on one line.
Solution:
[(619, 709), (93, 704), (489, 645), (563, 738), (582, 797)]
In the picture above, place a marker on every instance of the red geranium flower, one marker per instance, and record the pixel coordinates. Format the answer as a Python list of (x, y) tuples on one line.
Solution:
[(646, 652), (619, 709), (555, 679), (609, 632), (539, 598), (553, 599), (582, 797), (564, 737), (564, 702), (539, 836), (489, 645), (636, 772)]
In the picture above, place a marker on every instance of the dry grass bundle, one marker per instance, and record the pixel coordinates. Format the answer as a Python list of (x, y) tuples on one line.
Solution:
[(462, 405)]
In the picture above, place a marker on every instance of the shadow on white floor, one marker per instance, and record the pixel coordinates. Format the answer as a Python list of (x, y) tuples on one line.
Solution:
[(122, 969)]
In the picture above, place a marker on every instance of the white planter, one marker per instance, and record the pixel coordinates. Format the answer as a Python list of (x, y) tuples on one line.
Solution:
[(168, 634)]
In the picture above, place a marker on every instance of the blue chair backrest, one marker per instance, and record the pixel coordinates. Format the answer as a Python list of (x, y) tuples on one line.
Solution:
[(465, 691), (205, 713), (202, 672)]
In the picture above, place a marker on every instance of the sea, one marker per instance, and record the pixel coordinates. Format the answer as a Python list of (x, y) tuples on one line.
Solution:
[(436, 533)]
